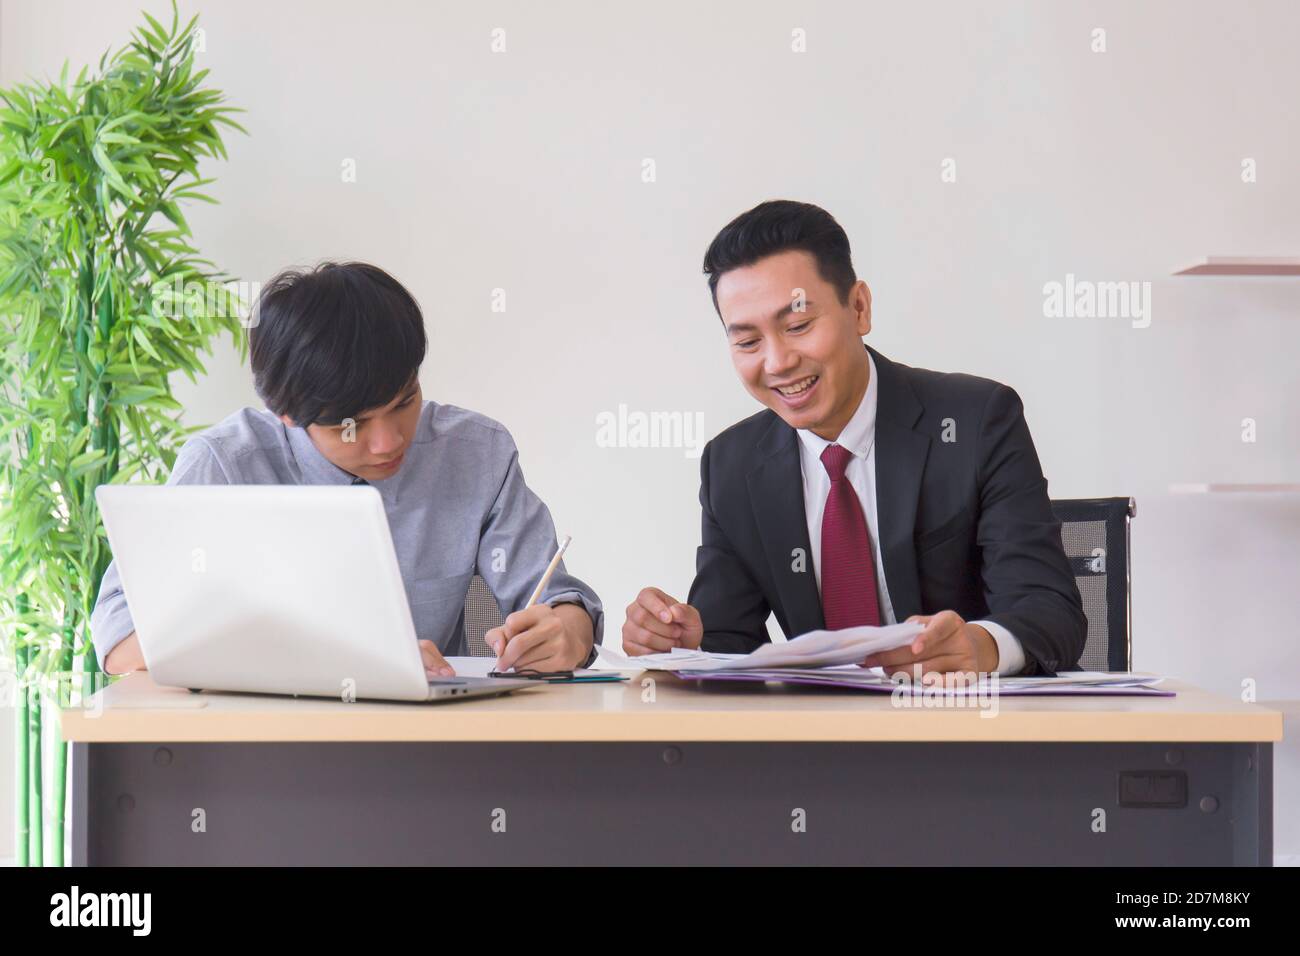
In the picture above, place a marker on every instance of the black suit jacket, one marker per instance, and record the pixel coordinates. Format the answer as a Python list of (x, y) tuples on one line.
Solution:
[(965, 525)]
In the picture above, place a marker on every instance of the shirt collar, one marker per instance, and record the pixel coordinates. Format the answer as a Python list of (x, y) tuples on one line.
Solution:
[(859, 434)]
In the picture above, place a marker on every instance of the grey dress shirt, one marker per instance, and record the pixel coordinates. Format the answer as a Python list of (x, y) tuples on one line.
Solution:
[(457, 506)]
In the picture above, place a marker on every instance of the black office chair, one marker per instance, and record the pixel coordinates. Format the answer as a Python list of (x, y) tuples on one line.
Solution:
[(481, 615), (1095, 532)]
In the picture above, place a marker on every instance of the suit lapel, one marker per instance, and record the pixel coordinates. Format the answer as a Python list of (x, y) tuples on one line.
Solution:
[(776, 495), (900, 462)]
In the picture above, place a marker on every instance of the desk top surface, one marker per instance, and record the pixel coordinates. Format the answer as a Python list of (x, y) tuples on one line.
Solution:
[(135, 709)]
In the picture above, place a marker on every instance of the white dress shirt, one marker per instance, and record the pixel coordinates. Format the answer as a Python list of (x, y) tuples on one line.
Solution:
[(859, 437)]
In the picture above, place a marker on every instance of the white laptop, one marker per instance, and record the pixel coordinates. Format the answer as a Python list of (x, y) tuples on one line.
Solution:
[(276, 589)]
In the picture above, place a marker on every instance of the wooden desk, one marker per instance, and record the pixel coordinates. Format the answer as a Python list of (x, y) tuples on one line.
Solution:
[(669, 772)]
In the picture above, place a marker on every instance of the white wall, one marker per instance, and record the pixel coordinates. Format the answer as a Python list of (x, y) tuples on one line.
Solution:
[(522, 171)]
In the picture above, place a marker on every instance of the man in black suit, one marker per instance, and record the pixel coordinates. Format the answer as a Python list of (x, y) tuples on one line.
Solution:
[(868, 492)]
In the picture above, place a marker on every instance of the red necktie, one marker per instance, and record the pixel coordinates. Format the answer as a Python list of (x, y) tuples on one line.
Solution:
[(848, 568)]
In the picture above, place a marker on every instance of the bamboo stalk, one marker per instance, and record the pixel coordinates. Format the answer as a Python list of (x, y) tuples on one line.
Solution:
[(75, 494), (21, 740), (35, 772), (58, 794)]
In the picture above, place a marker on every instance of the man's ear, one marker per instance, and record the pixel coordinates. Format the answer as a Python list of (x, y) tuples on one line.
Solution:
[(860, 299), (287, 420)]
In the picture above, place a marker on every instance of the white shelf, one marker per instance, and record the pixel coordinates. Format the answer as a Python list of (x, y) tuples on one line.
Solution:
[(1244, 266)]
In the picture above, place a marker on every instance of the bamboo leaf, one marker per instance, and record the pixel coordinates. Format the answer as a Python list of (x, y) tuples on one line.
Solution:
[(111, 174), (139, 334)]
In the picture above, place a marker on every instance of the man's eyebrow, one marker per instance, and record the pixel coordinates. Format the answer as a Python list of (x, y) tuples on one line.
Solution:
[(807, 305)]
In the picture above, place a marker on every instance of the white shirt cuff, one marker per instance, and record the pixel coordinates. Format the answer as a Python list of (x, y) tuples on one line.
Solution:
[(1011, 656)]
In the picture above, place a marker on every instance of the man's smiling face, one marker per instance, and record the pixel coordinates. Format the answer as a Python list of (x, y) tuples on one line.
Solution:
[(806, 365)]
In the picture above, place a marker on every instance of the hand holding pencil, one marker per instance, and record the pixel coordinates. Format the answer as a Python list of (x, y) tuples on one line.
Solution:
[(541, 637)]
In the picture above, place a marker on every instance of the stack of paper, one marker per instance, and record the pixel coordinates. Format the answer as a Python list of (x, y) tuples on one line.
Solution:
[(830, 659), (851, 645)]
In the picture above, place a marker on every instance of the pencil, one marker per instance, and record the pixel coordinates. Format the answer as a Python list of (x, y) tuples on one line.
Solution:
[(550, 569)]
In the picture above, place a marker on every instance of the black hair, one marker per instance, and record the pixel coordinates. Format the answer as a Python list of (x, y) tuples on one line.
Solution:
[(779, 226), (331, 342)]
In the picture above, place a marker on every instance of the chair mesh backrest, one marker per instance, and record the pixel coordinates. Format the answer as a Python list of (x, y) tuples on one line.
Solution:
[(1094, 532), (481, 615)]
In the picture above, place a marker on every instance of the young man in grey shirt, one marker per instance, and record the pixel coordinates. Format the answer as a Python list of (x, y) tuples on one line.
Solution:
[(335, 355)]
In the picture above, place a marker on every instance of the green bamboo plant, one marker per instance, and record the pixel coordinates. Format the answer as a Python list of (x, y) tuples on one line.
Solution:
[(102, 296)]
